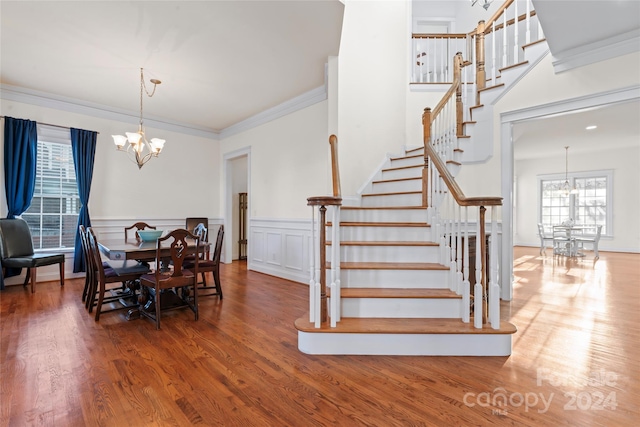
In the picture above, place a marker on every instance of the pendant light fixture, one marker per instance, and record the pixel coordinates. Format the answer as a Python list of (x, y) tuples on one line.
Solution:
[(566, 187), (140, 150)]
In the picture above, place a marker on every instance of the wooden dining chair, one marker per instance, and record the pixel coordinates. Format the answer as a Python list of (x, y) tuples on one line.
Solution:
[(137, 227), (210, 265), (104, 276), (170, 276)]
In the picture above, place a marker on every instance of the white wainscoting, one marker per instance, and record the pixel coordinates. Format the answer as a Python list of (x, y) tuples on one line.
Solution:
[(280, 247), (109, 228)]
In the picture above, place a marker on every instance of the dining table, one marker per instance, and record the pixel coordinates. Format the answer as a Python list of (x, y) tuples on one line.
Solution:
[(134, 250), (565, 233)]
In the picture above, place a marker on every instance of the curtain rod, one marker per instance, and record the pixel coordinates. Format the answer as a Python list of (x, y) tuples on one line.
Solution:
[(49, 124)]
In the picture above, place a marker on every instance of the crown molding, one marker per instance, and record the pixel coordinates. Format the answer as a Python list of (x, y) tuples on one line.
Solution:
[(601, 50), (58, 102), (300, 102)]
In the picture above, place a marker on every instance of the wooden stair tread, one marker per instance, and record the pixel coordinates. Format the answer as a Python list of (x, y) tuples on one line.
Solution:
[(512, 66), (396, 293), (397, 193), (405, 157), (386, 243), (402, 167), (382, 207), (350, 325), (396, 180), (390, 266), (491, 87), (380, 224)]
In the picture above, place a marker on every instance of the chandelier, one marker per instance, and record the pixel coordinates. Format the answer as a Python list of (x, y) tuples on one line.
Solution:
[(485, 3), (566, 187), (138, 148)]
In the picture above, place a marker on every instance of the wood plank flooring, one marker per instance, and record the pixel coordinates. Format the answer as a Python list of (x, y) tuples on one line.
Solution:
[(575, 359)]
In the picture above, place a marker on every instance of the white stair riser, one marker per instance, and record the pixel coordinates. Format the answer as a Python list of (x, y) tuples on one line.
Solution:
[(389, 253), (401, 173), (363, 233), (407, 161), (406, 308), (414, 184), (409, 279), (393, 200), (405, 344), (383, 215)]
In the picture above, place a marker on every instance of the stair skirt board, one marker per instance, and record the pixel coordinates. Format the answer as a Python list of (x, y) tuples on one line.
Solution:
[(445, 308)]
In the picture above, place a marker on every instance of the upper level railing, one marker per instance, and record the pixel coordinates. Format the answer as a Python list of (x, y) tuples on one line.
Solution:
[(493, 45)]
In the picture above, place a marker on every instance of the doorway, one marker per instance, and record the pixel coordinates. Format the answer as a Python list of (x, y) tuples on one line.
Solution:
[(237, 179)]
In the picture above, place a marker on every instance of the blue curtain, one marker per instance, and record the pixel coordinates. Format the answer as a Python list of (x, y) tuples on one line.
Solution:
[(83, 145), (20, 157)]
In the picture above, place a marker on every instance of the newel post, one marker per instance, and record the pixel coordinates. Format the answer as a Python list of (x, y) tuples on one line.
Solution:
[(457, 77), (483, 261), (481, 78), (426, 125)]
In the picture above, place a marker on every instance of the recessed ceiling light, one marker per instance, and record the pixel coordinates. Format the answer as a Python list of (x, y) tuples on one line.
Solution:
[(592, 127)]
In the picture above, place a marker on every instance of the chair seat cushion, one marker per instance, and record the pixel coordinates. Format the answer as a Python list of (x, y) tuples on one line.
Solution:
[(35, 260), (201, 264)]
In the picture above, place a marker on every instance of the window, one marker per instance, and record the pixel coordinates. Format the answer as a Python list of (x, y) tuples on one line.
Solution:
[(53, 213), (591, 205)]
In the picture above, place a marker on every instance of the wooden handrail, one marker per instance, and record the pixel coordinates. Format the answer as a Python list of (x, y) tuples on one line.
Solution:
[(451, 183), (335, 171), (499, 12), (511, 21)]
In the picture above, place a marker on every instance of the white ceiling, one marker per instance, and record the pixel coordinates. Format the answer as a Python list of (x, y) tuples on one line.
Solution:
[(220, 62)]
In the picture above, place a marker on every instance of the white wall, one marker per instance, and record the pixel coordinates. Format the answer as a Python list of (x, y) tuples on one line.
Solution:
[(119, 189), (289, 162), (626, 194), (373, 73), (120, 192)]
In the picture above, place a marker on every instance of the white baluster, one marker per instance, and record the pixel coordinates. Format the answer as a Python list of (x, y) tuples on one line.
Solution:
[(335, 304), (316, 300), (504, 39), (493, 52), (527, 36), (466, 289), (494, 287), (335, 290), (459, 276), (478, 297), (516, 32), (312, 268)]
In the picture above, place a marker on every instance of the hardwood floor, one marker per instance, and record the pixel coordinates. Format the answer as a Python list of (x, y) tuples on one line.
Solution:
[(575, 359)]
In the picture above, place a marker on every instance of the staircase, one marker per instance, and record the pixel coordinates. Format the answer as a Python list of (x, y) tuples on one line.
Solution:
[(395, 294), (399, 285)]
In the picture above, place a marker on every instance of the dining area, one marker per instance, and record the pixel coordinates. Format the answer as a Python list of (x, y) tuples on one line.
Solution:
[(569, 239), (147, 272)]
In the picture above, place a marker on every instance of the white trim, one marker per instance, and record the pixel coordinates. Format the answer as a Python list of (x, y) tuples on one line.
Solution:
[(600, 50), (305, 100), (48, 100), (228, 200)]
